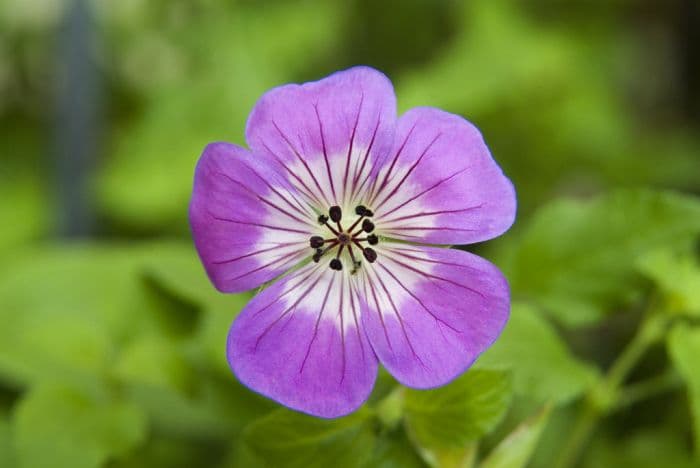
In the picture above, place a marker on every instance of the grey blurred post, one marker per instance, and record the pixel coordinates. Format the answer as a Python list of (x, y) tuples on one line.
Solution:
[(77, 119)]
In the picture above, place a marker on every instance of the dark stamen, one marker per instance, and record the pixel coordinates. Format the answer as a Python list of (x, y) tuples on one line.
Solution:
[(335, 213), (346, 237), (362, 211), (316, 241)]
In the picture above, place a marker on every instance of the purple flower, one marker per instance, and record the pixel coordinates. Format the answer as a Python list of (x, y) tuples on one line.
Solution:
[(344, 199)]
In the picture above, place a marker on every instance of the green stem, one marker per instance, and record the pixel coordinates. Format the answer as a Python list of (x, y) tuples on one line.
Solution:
[(604, 396), (668, 381)]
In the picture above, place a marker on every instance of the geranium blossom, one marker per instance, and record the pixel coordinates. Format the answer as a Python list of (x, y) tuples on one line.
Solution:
[(341, 202)]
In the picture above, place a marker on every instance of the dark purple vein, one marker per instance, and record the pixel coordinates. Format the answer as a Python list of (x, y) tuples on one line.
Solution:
[(241, 257), (352, 141), (301, 209), (325, 153), (428, 275), (307, 191), (303, 161), (358, 172), (408, 173), (417, 299), (342, 330), (288, 291), (276, 228), (398, 316), (379, 311), (264, 200), (354, 315), (428, 213), (318, 321), (393, 163), (432, 187), (293, 306), (267, 265)]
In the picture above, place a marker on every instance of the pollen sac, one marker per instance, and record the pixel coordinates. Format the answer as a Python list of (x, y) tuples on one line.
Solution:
[(336, 264), (335, 213), (322, 219), (367, 225), (370, 254), (373, 239), (360, 210), (317, 255), (316, 242)]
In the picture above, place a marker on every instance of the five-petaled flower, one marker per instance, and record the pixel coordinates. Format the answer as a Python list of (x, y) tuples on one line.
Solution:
[(340, 200)]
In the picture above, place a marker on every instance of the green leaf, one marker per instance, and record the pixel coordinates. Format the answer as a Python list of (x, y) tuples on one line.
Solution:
[(394, 450), (57, 425), (154, 361), (576, 259), (7, 457), (49, 329), (158, 151), (515, 450), (677, 274), (451, 416), (176, 267), (175, 452), (684, 349), (646, 448), (24, 197), (541, 365), (286, 438)]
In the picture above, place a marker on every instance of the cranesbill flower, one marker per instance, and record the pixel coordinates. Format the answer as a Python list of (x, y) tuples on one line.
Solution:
[(342, 204)]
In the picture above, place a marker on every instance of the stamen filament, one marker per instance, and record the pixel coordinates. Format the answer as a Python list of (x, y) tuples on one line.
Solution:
[(332, 229), (357, 221)]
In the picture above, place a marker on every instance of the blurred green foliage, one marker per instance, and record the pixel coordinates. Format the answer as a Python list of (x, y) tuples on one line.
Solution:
[(112, 348)]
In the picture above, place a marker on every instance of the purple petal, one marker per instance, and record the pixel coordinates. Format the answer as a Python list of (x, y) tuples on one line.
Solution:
[(299, 342), (429, 312), (248, 226), (440, 184), (326, 136)]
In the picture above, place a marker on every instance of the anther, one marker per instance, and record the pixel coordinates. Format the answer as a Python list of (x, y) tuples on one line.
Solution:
[(367, 225), (335, 213), (317, 255), (336, 264), (322, 219), (373, 239), (370, 254), (360, 210), (316, 241)]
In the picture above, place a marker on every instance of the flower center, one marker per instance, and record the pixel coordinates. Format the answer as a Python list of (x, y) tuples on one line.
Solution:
[(359, 233)]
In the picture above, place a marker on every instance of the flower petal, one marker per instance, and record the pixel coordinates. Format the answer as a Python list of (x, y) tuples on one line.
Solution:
[(248, 225), (299, 342), (326, 136), (440, 184), (429, 312)]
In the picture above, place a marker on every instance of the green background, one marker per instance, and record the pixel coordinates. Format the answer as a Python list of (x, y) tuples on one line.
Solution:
[(112, 338)]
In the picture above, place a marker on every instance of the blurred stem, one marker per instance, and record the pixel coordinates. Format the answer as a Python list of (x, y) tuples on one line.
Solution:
[(602, 398), (649, 388)]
